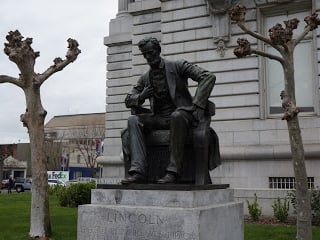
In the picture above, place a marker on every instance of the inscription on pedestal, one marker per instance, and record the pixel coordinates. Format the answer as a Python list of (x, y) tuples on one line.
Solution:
[(134, 226), (142, 214)]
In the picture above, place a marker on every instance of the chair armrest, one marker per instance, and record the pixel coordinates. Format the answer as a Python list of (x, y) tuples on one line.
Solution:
[(210, 109), (139, 110)]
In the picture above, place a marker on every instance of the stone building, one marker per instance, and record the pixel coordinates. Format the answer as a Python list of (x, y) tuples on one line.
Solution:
[(14, 167), (74, 139), (253, 139), (18, 160)]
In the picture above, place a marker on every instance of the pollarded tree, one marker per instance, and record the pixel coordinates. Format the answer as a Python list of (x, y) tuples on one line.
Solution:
[(20, 52), (281, 39)]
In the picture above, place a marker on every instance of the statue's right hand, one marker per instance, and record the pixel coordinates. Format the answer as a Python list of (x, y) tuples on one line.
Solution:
[(146, 93)]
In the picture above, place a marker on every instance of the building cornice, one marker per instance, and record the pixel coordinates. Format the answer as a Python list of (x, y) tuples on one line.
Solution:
[(266, 152)]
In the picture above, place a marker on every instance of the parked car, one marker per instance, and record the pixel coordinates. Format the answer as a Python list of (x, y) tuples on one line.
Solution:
[(4, 183), (53, 182), (22, 184)]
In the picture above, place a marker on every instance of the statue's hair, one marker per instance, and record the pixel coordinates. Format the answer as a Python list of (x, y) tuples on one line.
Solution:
[(155, 42)]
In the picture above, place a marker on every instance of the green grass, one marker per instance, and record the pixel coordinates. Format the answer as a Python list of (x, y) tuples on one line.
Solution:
[(274, 232), (15, 217)]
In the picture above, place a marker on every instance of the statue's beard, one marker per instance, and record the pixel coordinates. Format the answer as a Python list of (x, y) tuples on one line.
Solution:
[(154, 63)]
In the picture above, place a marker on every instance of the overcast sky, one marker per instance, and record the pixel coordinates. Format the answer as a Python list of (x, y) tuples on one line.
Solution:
[(80, 87)]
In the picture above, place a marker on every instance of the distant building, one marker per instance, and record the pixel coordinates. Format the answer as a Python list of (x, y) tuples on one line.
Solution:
[(14, 167), (24, 154), (74, 142), (17, 164)]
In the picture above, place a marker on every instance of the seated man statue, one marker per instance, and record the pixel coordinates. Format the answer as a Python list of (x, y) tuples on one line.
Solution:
[(172, 107)]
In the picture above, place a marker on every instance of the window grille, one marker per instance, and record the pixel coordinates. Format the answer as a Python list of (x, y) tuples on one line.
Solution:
[(287, 182)]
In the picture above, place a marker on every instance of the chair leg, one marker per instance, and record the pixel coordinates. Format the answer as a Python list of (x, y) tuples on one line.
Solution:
[(200, 141)]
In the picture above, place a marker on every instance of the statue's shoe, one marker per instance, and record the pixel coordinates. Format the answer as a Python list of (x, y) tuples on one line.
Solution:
[(135, 178), (168, 178)]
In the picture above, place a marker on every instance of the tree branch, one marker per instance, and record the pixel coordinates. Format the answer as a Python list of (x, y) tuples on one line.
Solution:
[(268, 55), (20, 51), (60, 64), (8, 79), (312, 22), (258, 36), (302, 35)]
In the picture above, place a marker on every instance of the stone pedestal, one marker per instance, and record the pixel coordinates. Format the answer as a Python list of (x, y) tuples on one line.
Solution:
[(182, 212), (113, 170)]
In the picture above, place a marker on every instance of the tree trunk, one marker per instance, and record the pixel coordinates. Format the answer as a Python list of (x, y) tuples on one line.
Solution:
[(303, 206), (34, 119)]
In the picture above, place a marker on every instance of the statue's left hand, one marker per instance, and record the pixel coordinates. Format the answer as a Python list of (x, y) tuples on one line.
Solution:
[(198, 113)]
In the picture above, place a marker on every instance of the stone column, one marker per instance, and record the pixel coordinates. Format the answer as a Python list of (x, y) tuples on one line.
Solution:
[(123, 7), (119, 42)]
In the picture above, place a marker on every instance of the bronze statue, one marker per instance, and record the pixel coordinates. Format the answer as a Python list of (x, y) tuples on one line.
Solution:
[(172, 107)]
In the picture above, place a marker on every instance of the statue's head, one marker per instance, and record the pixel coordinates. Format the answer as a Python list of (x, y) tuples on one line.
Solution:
[(150, 49)]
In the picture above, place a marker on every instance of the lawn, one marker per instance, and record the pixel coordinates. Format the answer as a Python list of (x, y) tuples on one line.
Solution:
[(15, 217), (274, 232)]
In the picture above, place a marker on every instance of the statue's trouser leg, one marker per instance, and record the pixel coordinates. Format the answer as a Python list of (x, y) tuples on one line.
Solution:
[(180, 123), (137, 126), (126, 149), (137, 145)]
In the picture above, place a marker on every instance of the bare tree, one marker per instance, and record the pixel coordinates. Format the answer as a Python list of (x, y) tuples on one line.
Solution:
[(53, 155), (87, 141), (280, 38), (55, 149), (21, 53)]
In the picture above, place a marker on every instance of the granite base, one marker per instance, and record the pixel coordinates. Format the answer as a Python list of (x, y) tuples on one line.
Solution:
[(123, 214)]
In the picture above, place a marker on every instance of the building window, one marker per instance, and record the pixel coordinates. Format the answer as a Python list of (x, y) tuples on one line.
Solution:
[(305, 80), (287, 182), (51, 135), (77, 174), (78, 158), (17, 174)]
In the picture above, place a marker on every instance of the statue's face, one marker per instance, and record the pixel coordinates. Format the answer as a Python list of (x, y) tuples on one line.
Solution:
[(151, 54)]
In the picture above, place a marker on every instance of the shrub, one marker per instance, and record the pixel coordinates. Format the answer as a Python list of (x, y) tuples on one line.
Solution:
[(315, 204), (53, 189), (80, 193), (61, 193), (254, 209), (292, 196), (74, 195), (281, 210)]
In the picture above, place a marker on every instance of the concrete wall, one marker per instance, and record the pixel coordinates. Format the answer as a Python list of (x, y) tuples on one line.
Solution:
[(265, 199), (254, 145)]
